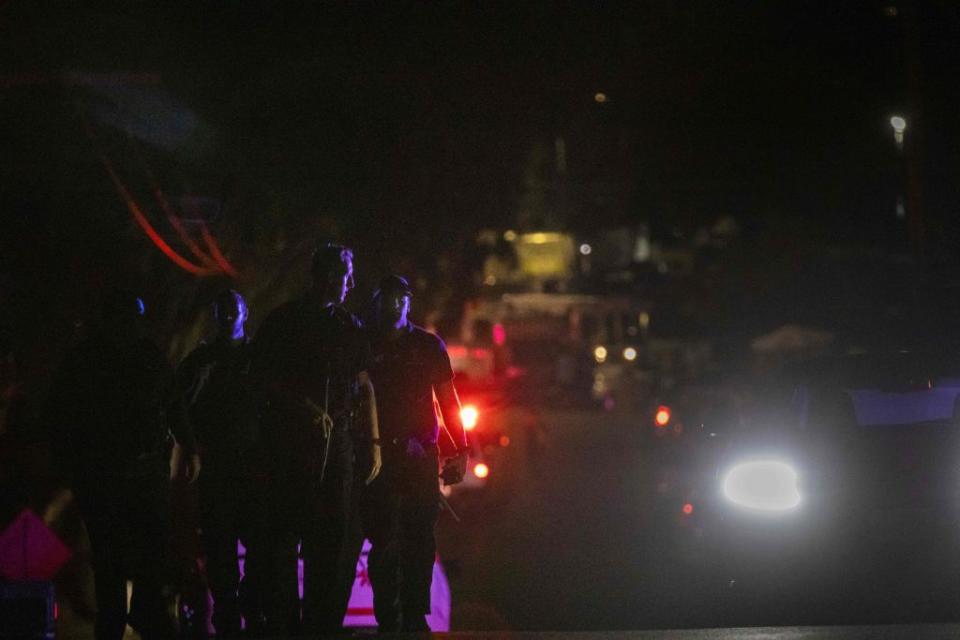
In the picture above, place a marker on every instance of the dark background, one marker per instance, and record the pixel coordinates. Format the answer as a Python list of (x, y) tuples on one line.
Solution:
[(403, 129)]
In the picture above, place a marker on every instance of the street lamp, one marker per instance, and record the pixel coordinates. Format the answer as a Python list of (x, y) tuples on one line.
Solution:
[(899, 126)]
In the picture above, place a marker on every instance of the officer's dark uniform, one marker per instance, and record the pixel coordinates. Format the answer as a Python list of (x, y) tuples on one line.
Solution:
[(399, 509), (308, 357), (215, 381), (116, 404)]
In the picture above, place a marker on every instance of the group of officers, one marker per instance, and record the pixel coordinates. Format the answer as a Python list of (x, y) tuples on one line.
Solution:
[(316, 434)]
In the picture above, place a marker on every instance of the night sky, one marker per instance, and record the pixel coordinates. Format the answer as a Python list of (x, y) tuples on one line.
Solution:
[(405, 128)]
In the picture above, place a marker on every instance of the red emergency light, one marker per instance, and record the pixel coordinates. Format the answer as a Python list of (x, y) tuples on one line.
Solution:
[(662, 417), (469, 416)]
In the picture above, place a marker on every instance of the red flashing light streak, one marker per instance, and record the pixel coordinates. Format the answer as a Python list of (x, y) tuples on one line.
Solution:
[(141, 220), (214, 248), (177, 225)]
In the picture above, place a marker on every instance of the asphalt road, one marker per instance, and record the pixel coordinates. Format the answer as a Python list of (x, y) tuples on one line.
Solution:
[(568, 535), (574, 534)]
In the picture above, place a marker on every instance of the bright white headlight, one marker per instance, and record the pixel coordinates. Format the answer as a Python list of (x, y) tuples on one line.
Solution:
[(764, 485)]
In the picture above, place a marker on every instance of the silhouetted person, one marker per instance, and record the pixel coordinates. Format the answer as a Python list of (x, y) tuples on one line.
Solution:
[(399, 509), (115, 405), (215, 382), (311, 359)]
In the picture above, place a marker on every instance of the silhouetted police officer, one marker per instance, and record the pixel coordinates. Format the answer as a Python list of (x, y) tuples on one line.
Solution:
[(311, 359), (399, 509), (115, 404), (215, 382)]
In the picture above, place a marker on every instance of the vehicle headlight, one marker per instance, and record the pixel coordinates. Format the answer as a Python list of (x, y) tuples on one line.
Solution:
[(764, 485)]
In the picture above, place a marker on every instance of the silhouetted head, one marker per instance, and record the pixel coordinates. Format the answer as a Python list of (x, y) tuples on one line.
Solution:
[(332, 270), (230, 313), (392, 302)]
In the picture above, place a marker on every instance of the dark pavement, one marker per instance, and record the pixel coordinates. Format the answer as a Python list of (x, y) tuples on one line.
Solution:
[(568, 536), (575, 534)]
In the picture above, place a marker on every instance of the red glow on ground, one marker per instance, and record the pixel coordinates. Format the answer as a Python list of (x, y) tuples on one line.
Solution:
[(687, 509), (662, 418), (499, 335)]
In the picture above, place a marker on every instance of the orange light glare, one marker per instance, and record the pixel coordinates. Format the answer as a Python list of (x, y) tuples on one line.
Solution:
[(456, 351), (481, 470), (504, 441), (663, 416), (469, 416)]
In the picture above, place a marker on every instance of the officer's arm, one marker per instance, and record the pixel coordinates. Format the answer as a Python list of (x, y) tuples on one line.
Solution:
[(450, 408), (179, 425), (185, 375), (370, 402), (455, 468)]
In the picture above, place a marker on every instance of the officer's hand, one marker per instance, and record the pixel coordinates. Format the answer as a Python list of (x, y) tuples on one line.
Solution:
[(454, 469), (193, 468), (375, 462), (176, 459)]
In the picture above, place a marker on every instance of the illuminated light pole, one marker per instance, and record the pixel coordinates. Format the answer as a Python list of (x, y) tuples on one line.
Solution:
[(899, 125)]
